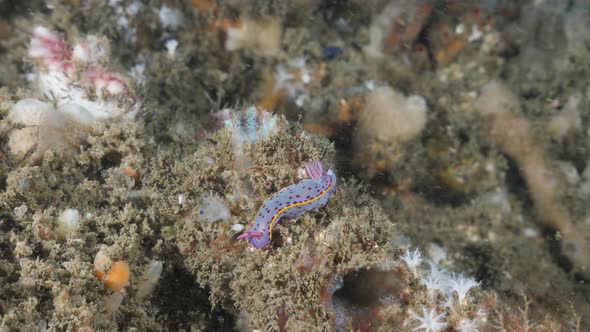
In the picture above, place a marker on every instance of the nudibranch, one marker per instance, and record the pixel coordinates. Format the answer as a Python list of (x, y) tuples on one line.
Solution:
[(291, 202)]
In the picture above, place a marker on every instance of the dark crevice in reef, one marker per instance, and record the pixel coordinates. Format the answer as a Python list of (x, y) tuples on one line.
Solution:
[(363, 293), (179, 299), (516, 184)]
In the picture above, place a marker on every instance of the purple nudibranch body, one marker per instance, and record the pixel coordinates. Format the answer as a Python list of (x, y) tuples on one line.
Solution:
[(291, 202)]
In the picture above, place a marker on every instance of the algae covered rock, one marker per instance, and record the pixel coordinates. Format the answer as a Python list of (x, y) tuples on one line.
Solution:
[(349, 234), (333, 269), (55, 219)]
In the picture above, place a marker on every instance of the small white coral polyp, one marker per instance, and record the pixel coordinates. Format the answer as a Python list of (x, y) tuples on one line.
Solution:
[(468, 325), (413, 260), (461, 285), (437, 280), (429, 321)]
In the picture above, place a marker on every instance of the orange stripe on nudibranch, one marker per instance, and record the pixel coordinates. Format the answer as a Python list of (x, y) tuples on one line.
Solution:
[(274, 218)]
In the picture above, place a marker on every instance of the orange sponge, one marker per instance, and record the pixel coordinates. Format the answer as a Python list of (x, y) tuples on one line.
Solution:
[(118, 276)]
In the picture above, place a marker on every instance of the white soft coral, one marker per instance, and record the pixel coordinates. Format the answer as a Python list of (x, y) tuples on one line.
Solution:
[(413, 260), (437, 280), (468, 325), (429, 321), (462, 285)]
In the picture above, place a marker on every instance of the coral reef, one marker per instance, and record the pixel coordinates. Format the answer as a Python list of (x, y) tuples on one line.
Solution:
[(331, 254), (138, 139)]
